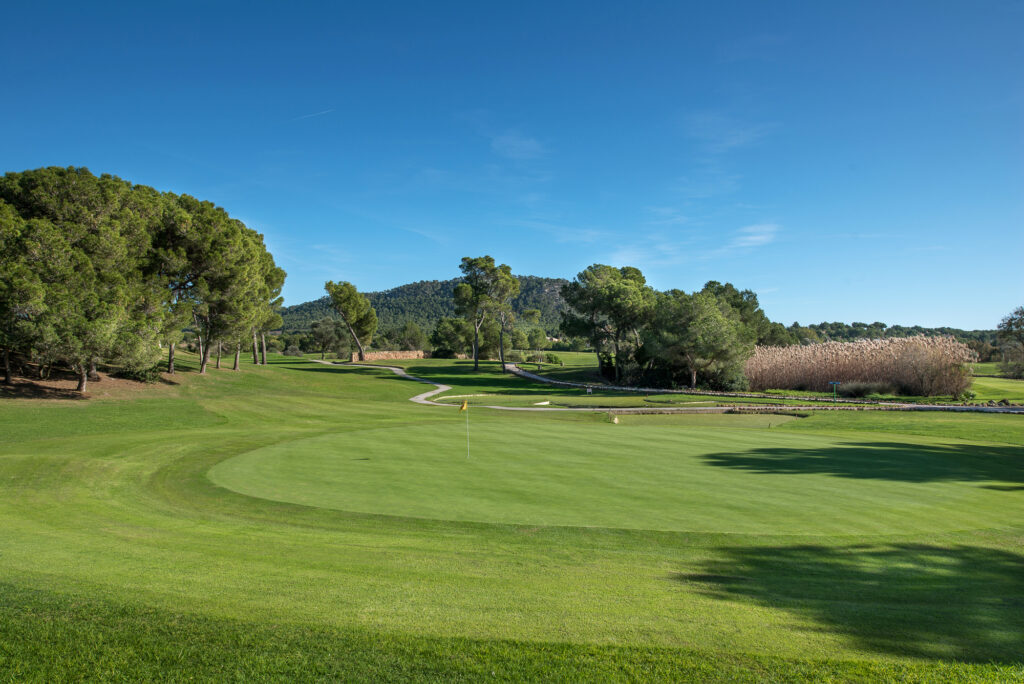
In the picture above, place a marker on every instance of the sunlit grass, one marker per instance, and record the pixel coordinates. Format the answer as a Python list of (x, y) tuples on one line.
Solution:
[(231, 530)]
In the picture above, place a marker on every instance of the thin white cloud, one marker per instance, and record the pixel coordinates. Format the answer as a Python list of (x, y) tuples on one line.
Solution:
[(667, 248), (721, 133), (755, 236), (310, 116), (667, 216), (707, 178), (562, 233), (515, 145)]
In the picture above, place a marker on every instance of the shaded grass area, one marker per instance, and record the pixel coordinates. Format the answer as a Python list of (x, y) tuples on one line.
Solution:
[(887, 593), (899, 461)]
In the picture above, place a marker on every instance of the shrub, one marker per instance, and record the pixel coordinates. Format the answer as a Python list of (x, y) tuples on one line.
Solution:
[(926, 366), (552, 358), (515, 356), (148, 374), (1012, 369), (858, 389), (724, 379), (292, 351)]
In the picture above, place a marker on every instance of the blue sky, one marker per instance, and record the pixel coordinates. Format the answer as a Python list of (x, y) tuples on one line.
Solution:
[(847, 161)]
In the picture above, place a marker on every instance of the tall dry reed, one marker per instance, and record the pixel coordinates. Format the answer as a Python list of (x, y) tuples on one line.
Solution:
[(928, 366)]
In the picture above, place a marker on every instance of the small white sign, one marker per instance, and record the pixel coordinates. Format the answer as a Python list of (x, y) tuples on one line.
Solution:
[(590, 390)]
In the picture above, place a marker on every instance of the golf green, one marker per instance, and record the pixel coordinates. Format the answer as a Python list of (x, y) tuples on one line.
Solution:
[(676, 478)]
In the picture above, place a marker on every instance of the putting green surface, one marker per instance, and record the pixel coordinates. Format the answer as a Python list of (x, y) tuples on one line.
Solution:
[(681, 478), (307, 522)]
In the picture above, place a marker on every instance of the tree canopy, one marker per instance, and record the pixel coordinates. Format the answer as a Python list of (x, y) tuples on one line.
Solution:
[(96, 269), (355, 311), (486, 290)]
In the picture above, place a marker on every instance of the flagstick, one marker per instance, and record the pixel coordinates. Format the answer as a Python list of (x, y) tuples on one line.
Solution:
[(467, 434)]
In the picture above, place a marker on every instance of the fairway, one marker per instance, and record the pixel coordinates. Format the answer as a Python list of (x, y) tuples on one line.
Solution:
[(302, 521), (642, 477)]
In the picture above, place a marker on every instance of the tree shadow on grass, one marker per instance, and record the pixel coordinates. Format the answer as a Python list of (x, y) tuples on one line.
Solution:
[(896, 461), (961, 602), (26, 389)]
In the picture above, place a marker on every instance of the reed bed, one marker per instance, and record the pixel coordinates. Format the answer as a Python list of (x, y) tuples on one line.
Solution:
[(924, 366)]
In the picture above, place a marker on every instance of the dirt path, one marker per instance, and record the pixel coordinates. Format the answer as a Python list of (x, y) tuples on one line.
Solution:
[(425, 399)]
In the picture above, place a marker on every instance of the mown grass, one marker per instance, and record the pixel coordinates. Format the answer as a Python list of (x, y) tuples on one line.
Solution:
[(831, 547)]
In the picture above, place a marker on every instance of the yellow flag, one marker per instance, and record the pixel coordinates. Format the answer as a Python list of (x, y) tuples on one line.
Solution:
[(464, 407)]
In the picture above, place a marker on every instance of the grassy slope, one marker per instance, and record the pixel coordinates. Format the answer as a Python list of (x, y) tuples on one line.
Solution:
[(120, 558)]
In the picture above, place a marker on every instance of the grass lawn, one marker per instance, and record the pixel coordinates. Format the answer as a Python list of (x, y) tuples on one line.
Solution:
[(303, 521), (994, 389)]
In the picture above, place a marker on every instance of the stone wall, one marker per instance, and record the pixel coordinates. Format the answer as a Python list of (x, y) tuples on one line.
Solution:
[(387, 355)]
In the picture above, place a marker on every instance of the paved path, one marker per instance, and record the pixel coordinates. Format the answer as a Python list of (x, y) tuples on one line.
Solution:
[(425, 398)]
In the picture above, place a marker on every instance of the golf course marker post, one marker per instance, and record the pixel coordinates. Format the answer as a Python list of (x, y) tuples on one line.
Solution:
[(465, 408)]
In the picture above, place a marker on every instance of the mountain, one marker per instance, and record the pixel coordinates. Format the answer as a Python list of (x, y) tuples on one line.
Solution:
[(428, 301)]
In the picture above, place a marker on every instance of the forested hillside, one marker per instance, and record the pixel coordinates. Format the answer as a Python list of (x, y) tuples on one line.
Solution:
[(428, 301)]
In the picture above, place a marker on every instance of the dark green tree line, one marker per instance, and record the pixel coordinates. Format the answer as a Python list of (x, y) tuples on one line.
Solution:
[(98, 270)]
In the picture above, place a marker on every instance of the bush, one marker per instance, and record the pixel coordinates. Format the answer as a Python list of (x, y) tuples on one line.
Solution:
[(515, 356), (292, 351), (552, 358), (728, 378), (149, 374), (1012, 369), (575, 344), (857, 390)]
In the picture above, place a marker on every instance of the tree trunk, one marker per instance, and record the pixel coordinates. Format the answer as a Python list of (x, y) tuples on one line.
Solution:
[(263, 349), (618, 366), (323, 353), (255, 358), (93, 375), (83, 378), (362, 353), (170, 359), (476, 344), (501, 347), (7, 367), (205, 357), (693, 378), (199, 335), (238, 355), (220, 349)]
